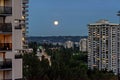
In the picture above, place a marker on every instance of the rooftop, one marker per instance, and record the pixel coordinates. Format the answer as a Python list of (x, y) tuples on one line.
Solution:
[(103, 22)]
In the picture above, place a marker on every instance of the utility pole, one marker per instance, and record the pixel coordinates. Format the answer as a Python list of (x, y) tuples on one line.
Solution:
[(118, 14)]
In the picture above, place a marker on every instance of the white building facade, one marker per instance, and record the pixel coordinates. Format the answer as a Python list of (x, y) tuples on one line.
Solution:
[(69, 44), (83, 45), (13, 25), (104, 45)]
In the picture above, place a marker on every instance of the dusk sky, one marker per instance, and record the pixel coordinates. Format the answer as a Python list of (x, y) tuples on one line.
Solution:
[(73, 16)]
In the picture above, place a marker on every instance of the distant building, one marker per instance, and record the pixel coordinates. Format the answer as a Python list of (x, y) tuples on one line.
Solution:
[(76, 44), (57, 43), (104, 45), (69, 44), (83, 45), (41, 53)]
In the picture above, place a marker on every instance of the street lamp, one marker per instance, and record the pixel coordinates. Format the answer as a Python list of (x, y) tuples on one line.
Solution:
[(118, 14)]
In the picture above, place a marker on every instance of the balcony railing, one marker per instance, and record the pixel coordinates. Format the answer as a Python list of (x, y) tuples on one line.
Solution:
[(18, 56), (5, 65), (25, 1), (4, 11), (5, 46), (5, 27)]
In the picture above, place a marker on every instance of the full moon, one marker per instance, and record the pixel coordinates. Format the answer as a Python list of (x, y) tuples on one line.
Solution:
[(56, 23)]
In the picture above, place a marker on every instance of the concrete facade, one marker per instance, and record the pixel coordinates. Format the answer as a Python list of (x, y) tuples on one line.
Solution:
[(83, 45), (104, 45), (69, 44), (13, 24)]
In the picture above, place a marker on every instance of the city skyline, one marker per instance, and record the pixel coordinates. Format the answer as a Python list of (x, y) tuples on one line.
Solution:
[(73, 16)]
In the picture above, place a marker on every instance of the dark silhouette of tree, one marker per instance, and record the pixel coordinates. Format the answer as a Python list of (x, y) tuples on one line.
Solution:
[(34, 46), (67, 64), (30, 66)]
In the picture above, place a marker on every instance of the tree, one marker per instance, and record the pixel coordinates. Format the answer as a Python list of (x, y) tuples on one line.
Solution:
[(33, 68), (34, 46), (30, 66), (66, 65)]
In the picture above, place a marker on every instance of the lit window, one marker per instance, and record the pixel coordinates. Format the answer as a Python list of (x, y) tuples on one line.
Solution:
[(23, 17), (23, 39)]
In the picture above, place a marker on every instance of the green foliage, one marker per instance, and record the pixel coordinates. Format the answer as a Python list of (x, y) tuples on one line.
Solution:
[(34, 46), (30, 66), (101, 75), (67, 64), (33, 68)]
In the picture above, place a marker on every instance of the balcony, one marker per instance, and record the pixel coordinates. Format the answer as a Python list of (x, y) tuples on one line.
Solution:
[(5, 46), (25, 1), (21, 26), (18, 27), (25, 14), (25, 6), (25, 10), (6, 65), (5, 11), (18, 56), (5, 27)]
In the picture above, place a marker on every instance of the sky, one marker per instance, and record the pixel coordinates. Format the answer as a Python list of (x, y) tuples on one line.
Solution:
[(73, 16)]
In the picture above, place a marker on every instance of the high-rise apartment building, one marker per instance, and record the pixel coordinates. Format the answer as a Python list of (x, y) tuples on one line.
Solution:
[(13, 24), (83, 45), (104, 45)]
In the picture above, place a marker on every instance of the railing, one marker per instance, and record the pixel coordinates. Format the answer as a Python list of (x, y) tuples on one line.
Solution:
[(25, 1), (18, 27), (5, 46), (18, 56), (21, 25), (5, 10), (6, 64), (5, 27)]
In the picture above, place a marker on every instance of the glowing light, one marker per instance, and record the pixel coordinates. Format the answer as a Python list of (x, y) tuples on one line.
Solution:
[(56, 23), (23, 17), (23, 39)]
